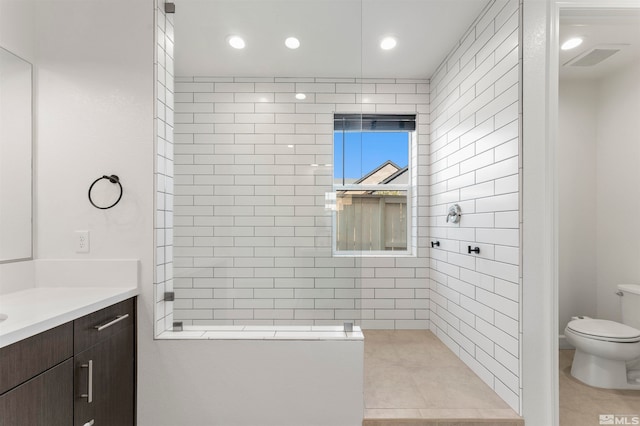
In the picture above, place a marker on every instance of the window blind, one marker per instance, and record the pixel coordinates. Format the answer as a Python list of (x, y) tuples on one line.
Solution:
[(374, 122)]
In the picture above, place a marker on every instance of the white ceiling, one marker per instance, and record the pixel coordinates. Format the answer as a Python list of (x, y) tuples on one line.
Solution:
[(600, 28), (339, 38)]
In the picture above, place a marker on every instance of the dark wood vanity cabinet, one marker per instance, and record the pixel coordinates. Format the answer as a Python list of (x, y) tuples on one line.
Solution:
[(36, 379), (43, 400), (81, 373), (104, 362)]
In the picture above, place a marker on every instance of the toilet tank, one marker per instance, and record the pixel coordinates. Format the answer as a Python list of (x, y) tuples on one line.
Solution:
[(630, 304)]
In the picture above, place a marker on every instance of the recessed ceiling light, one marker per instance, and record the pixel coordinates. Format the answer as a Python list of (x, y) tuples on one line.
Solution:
[(301, 96), (236, 42), (388, 43), (571, 43), (292, 43)]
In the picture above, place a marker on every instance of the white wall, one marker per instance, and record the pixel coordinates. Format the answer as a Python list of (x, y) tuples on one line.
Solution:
[(618, 192), (17, 276), (17, 27), (248, 383), (475, 145), (94, 118), (252, 234), (598, 171), (577, 136)]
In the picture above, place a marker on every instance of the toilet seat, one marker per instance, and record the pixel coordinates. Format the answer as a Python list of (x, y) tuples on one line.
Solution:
[(604, 330)]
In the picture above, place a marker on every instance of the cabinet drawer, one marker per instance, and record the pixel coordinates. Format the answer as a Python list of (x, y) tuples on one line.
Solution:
[(22, 360), (44, 400), (106, 371), (103, 324)]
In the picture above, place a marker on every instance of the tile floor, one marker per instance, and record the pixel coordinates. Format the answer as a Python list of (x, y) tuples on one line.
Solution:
[(582, 405), (413, 379)]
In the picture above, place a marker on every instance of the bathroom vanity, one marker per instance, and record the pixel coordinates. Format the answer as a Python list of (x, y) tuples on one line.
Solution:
[(77, 372)]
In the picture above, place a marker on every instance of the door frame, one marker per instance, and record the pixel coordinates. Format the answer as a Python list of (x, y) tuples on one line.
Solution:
[(539, 290)]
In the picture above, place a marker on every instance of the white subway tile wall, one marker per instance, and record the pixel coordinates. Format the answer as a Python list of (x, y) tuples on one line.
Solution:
[(252, 235), (164, 168), (475, 145)]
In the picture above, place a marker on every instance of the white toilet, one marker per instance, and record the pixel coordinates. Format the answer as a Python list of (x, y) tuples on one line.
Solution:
[(608, 352)]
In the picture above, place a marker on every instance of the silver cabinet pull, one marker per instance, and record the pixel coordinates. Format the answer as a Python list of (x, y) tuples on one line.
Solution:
[(112, 322), (89, 423), (89, 394)]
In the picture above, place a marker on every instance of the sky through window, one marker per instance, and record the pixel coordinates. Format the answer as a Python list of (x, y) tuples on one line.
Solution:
[(355, 154)]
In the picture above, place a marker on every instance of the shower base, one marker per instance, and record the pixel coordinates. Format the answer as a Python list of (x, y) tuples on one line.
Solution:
[(413, 379)]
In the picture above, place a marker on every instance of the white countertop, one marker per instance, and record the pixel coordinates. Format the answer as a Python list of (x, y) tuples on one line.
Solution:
[(36, 310)]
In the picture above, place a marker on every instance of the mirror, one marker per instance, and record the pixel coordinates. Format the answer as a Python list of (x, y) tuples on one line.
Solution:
[(15, 157)]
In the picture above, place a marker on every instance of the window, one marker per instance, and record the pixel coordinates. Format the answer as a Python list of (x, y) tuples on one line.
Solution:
[(372, 183)]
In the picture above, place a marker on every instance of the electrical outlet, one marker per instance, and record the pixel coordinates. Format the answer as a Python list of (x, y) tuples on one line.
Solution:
[(82, 241)]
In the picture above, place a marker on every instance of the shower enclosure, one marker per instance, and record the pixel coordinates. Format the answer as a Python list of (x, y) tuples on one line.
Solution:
[(298, 198), (300, 189)]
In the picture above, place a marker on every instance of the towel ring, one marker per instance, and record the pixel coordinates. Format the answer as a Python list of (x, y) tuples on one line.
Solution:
[(113, 179)]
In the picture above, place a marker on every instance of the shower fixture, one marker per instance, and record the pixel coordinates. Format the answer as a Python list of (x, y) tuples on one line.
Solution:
[(454, 214)]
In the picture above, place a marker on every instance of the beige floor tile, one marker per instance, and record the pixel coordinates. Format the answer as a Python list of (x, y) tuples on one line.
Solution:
[(498, 413), (412, 379), (469, 413), (398, 422), (377, 336), (398, 413), (451, 387), (380, 352), (482, 423), (449, 413), (582, 405), (426, 354), (428, 422), (411, 373), (390, 386)]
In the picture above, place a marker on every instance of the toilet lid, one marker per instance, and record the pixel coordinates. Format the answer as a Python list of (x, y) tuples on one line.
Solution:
[(604, 328)]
